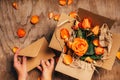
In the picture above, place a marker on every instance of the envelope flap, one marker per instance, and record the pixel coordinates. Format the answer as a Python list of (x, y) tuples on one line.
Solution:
[(35, 61), (33, 49)]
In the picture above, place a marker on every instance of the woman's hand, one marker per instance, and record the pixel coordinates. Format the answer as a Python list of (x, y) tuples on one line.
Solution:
[(46, 68), (20, 67)]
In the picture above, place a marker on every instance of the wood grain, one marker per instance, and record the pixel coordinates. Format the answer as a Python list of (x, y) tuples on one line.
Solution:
[(12, 19)]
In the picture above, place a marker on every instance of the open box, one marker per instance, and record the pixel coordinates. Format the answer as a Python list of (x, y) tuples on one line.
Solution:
[(35, 52), (57, 43)]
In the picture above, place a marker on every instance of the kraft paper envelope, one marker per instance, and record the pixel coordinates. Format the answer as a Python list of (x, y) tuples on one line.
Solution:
[(35, 52)]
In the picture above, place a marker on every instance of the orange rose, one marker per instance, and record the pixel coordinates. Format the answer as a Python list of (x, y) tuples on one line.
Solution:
[(99, 50), (64, 33), (86, 24), (79, 46)]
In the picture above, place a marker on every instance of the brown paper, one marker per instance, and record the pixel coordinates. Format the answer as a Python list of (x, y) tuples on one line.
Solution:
[(57, 43), (36, 51), (84, 73), (108, 63)]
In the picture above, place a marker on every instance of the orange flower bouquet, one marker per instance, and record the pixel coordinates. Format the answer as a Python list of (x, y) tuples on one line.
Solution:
[(84, 42)]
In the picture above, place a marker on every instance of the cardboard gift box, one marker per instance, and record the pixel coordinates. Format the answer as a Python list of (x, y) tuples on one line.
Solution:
[(57, 43), (35, 52)]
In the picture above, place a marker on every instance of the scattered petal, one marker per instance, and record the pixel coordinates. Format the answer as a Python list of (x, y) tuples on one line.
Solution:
[(21, 32), (118, 55), (62, 2), (67, 59), (34, 19), (56, 17), (15, 5), (70, 2), (73, 14), (15, 49), (64, 33), (50, 15)]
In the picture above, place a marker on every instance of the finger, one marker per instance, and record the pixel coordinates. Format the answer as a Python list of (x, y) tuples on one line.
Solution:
[(17, 52), (40, 68), (43, 64), (16, 56), (47, 63), (52, 62), (24, 60)]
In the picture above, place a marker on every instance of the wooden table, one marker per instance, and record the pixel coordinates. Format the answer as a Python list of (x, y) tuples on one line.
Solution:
[(12, 19)]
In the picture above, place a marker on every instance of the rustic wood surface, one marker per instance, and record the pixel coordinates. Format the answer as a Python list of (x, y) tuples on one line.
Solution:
[(12, 19)]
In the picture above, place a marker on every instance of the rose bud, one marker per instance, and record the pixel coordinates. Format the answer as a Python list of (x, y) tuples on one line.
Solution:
[(69, 44), (95, 30), (64, 33), (86, 24), (99, 50), (96, 42)]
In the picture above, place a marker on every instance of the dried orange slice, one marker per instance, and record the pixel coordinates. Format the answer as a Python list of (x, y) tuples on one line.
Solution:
[(34, 19), (64, 33), (67, 59), (21, 32), (118, 55)]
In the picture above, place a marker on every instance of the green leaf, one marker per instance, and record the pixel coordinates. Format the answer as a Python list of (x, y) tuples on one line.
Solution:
[(79, 33), (90, 49)]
